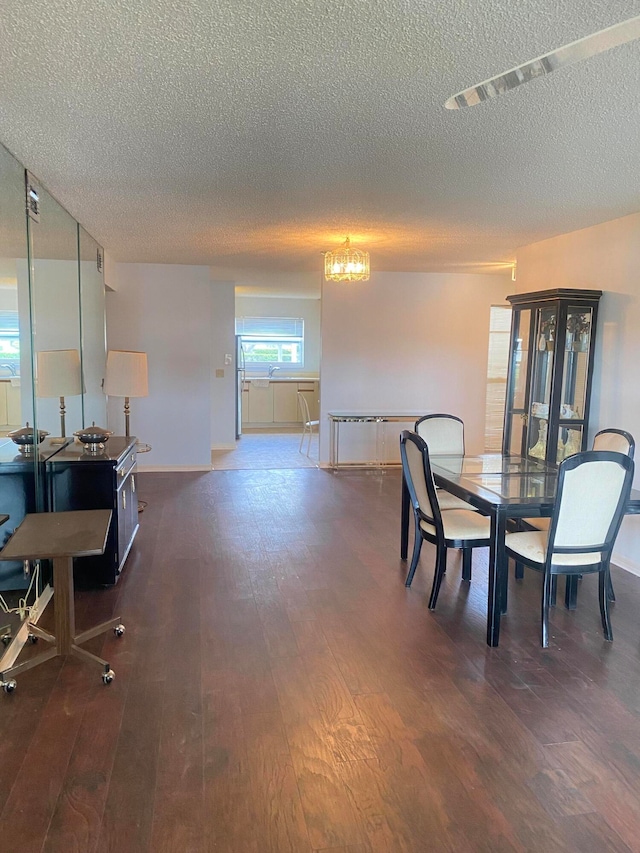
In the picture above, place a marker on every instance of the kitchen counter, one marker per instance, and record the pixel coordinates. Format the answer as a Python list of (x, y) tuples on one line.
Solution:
[(284, 378)]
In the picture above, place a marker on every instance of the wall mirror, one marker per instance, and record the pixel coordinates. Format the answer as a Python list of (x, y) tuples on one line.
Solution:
[(55, 318), (92, 329), (52, 345)]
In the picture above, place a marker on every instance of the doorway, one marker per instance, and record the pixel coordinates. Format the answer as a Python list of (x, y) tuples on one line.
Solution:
[(263, 449)]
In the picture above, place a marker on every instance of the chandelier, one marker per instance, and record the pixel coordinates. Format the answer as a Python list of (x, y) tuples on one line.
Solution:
[(346, 264)]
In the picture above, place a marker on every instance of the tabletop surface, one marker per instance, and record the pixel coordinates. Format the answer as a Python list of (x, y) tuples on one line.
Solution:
[(368, 414), (114, 449), (504, 480), (59, 534)]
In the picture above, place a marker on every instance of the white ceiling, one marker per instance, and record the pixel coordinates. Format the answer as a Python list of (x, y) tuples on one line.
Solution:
[(255, 133)]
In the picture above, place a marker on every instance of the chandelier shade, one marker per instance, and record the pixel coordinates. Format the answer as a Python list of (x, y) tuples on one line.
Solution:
[(346, 264)]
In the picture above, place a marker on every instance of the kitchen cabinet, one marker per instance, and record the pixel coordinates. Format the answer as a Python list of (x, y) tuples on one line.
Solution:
[(550, 372), (80, 479), (285, 402), (277, 402), (260, 404), (10, 403)]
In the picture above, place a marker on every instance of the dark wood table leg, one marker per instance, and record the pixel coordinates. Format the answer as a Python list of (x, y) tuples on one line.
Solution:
[(496, 598), (571, 592), (404, 520)]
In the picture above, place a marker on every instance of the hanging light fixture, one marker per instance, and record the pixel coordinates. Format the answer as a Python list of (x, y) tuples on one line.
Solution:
[(346, 264)]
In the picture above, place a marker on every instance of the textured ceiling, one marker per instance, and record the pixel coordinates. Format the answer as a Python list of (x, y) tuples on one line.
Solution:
[(255, 133)]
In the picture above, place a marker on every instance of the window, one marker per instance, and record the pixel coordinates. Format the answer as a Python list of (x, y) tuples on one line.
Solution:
[(9, 344), (272, 340)]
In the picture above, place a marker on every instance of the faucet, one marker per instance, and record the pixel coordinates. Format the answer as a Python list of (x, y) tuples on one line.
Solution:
[(272, 370)]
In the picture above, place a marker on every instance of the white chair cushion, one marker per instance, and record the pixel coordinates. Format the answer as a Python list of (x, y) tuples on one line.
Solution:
[(538, 523), (448, 501), (461, 524), (533, 546)]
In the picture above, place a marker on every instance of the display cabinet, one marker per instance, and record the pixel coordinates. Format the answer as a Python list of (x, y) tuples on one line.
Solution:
[(550, 371)]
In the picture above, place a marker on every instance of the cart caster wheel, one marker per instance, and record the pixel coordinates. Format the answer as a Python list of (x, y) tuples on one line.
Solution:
[(9, 686), (31, 638), (119, 630), (6, 639), (107, 677)]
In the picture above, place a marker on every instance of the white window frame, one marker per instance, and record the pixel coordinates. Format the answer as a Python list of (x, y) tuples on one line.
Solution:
[(272, 331)]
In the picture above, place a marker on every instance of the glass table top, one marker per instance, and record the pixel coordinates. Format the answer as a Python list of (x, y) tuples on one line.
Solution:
[(491, 464)]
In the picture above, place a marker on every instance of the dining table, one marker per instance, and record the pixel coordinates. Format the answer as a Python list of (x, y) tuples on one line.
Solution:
[(502, 487)]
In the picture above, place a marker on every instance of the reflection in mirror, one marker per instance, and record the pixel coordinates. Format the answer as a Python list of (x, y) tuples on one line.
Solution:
[(15, 325), (17, 468), (46, 319), (55, 301), (92, 315)]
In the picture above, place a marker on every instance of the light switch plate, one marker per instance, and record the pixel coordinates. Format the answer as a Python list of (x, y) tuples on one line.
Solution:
[(228, 359)]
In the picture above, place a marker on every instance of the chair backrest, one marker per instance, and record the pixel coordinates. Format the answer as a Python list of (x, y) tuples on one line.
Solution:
[(444, 434), (593, 490), (304, 407), (416, 468), (615, 439)]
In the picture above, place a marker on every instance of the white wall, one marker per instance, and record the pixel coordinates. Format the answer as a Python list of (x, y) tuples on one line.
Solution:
[(308, 309), (406, 342), (605, 257), (166, 311), (223, 389)]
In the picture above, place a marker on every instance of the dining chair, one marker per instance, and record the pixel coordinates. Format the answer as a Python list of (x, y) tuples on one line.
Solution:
[(444, 435), (455, 528), (307, 424), (592, 493), (607, 439)]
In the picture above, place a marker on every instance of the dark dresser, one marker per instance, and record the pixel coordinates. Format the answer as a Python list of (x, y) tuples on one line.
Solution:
[(81, 479)]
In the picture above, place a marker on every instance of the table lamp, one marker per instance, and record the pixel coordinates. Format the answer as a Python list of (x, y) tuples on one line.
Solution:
[(59, 375), (126, 376)]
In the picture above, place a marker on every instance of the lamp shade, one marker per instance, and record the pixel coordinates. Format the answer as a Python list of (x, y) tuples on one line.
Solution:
[(126, 374), (59, 373)]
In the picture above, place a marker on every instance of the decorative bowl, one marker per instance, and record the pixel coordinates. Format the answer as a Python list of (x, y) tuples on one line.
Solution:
[(25, 437), (93, 437)]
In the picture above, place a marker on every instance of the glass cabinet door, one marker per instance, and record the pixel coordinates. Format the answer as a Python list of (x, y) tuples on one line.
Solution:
[(517, 401), (541, 381), (575, 377)]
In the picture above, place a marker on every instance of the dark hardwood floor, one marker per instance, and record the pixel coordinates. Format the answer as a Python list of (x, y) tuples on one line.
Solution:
[(278, 689)]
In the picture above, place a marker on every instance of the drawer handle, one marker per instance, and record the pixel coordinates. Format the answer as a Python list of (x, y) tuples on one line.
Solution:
[(133, 483), (124, 500)]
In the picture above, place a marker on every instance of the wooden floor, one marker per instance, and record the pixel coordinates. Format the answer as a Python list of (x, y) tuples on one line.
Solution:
[(278, 689)]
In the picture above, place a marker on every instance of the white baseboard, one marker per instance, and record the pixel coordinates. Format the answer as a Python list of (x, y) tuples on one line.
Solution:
[(155, 469), (628, 565)]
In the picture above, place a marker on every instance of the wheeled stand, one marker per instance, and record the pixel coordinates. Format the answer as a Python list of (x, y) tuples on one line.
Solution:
[(59, 536)]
